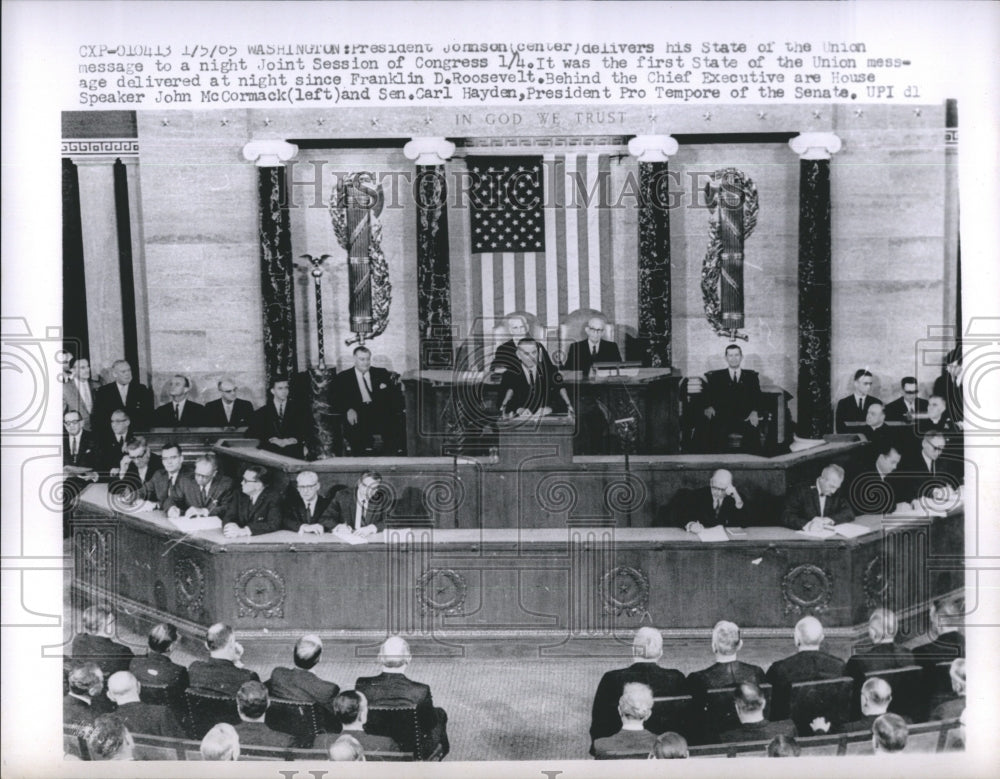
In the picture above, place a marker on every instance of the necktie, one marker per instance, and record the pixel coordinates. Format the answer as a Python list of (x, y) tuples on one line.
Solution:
[(177, 412), (861, 404), (716, 505), (593, 349), (281, 412), (204, 496), (227, 409), (83, 388), (822, 504), (366, 389), (311, 508), (531, 378), (359, 514), (732, 375), (72, 448)]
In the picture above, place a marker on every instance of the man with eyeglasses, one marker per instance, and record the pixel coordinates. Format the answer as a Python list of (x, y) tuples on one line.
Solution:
[(228, 410), (113, 443), (279, 425), (360, 509), (206, 492), (305, 508), (594, 348), (534, 388), (164, 488), (257, 510), (819, 506), (908, 406), (139, 463), (505, 358), (920, 475), (718, 503)]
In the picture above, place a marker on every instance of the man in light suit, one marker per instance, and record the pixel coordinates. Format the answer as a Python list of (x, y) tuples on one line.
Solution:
[(906, 407), (593, 348), (79, 390), (306, 509), (180, 411), (361, 508), (732, 397), (206, 492), (228, 410), (719, 503), (279, 425), (369, 398), (854, 408), (123, 393), (818, 506)]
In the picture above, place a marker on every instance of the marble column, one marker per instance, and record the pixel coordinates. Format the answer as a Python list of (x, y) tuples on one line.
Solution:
[(274, 230), (138, 266), (653, 152), (433, 256), (99, 224), (815, 413)]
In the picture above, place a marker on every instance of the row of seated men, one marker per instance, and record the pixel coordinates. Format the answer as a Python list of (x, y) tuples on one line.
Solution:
[(105, 677), (624, 699), (367, 397)]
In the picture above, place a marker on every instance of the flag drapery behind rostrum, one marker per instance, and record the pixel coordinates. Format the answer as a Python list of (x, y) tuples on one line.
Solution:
[(540, 233)]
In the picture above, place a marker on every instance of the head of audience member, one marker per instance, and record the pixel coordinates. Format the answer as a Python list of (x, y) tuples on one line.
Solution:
[(635, 705), (99, 620), (307, 484), (719, 483), (808, 634), (109, 739), (86, 681), (205, 468), (120, 423), (252, 482), (346, 749), (888, 458), (252, 701), (875, 416), (957, 674), (726, 641), (750, 702), (876, 695), (279, 389), (222, 742), (307, 651), (863, 380), (932, 444), (227, 390), (222, 644), (527, 352), (647, 644), (882, 626), (889, 734), (369, 487), (162, 637), (178, 388), (946, 615), (172, 458), (936, 408), (350, 708), (123, 688), (784, 746), (517, 326), (138, 451), (72, 422), (908, 384), (669, 746), (79, 368), (121, 371), (363, 358), (830, 479), (595, 329), (734, 356), (394, 655)]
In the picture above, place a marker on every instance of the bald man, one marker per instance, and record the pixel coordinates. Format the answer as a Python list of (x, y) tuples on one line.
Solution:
[(647, 649), (301, 683), (139, 717), (819, 506), (718, 503), (876, 695), (808, 664)]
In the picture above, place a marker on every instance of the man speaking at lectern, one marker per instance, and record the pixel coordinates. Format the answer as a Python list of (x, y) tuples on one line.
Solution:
[(536, 387)]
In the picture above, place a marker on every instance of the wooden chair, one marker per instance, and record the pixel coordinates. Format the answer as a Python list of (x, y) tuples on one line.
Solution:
[(748, 749), (206, 710), (371, 757), (827, 698), (402, 724), (908, 694), (251, 752), (157, 748), (160, 694), (671, 714), (295, 717), (823, 746)]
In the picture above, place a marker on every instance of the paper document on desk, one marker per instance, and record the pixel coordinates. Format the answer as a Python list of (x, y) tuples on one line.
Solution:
[(713, 534), (816, 533), (348, 536), (194, 524), (852, 530)]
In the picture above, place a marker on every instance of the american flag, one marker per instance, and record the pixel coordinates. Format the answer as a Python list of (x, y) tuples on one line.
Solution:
[(540, 235)]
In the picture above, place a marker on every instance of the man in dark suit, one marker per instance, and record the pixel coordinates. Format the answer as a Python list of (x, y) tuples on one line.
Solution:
[(300, 683), (727, 671), (647, 649), (79, 460), (808, 664), (279, 426), (369, 398), (532, 387), (947, 640), (256, 510), (221, 743), (306, 510), (222, 673), (96, 645), (79, 390), (937, 419), (593, 348), (180, 411), (392, 688), (732, 403), (717, 504), (112, 443), (949, 386), (206, 492), (362, 508), (81, 704), (818, 506), (156, 668), (228, 410), (885, 654), (147, 718), (505, 358), (750, 703), (875, 429), (920, 474), (906, 407), (252, 702), (135, 470), (872, 490), (350, 710), (854, 408), (635, 706), (164, 488), (123, 393), (876, 695)]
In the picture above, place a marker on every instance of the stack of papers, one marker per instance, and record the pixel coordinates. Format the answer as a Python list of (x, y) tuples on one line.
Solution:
[(713, 535), (343, 533), (194, 524), (846, 530)]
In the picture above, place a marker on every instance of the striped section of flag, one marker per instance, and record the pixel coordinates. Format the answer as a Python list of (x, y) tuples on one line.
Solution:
[(550, 261)]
